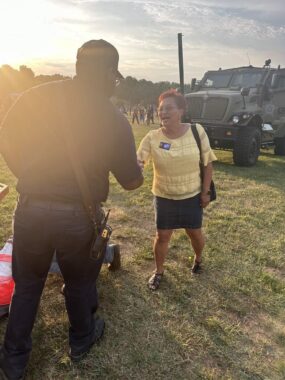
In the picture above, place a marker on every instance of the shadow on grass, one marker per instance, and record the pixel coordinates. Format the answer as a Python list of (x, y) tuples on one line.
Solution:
[(137, 344)]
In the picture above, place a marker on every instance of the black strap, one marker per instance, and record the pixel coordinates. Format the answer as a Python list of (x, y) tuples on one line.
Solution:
[(198, 142), (93, 209)]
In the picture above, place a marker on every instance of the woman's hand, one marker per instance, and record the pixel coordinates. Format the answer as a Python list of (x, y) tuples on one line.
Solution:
[(141, 164), (205, 199)]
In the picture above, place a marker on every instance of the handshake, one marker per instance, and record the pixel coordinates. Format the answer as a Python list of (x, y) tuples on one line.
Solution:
[(141, 164)]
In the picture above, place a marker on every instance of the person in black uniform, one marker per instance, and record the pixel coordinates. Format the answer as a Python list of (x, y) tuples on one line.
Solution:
[(50, 215)]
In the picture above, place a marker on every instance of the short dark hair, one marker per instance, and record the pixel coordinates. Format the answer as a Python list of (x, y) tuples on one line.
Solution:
[(178, 98)]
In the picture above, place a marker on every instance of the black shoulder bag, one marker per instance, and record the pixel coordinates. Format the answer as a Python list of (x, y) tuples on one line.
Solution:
[(213, 194)]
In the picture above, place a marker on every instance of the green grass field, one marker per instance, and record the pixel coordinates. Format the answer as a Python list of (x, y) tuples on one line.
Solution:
[(227, 323)]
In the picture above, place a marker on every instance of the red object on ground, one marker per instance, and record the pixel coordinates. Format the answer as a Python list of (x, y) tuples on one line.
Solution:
[(6, 280), (6, 291)]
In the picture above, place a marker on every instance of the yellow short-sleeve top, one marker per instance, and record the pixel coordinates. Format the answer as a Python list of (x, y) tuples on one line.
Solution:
[(175, 162)]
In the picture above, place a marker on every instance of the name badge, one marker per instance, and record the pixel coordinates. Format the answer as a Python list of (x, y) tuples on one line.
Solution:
[(164, 145)]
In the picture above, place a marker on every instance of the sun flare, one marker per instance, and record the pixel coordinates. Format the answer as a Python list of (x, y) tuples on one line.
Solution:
[(28, 30)]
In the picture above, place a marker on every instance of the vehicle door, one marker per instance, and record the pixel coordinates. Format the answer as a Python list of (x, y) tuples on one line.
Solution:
[(274, 106)]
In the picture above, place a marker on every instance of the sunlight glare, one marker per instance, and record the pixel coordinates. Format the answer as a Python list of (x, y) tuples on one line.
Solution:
[(27, 30)]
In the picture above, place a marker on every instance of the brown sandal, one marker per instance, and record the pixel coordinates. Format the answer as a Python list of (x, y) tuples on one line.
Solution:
[(197, 267), (154, 281)]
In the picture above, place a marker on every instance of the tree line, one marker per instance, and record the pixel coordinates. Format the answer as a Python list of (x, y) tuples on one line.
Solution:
[(133, 91), (17, 81), (130, 91)]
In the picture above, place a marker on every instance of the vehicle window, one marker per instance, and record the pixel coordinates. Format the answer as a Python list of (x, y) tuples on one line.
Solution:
[(246, 79), (217, 80), (281, 82)]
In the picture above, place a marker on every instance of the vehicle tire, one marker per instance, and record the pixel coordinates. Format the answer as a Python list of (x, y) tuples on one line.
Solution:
[(279, 146), (247, 146)]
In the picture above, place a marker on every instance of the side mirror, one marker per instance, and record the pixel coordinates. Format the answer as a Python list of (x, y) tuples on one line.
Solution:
[(245, 91), (274, 80), (267, 127)]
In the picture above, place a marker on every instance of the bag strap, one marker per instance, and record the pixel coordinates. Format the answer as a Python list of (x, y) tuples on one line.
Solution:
[(93, 209), (197, 138), (198, 142), (90, 206)]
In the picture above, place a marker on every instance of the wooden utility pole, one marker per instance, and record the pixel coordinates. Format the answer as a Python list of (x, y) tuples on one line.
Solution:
[(180, 60)]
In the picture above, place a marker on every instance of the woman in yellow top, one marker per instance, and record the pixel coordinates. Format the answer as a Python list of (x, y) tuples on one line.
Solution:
[(179, 196)]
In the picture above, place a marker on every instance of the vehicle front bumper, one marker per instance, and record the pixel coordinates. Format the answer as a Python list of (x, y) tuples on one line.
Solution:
[(221, 136)]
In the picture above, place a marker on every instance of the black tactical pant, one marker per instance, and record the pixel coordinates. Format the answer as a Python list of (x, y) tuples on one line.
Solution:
[(40, 228)]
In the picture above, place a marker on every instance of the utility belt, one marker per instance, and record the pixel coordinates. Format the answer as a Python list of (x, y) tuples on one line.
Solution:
[(47, 203), (102, 230)]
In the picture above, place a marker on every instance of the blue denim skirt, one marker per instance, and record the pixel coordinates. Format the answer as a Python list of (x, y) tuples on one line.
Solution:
[(173, 214)]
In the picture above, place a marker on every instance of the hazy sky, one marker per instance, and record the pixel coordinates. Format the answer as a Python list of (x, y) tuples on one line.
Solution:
[(45, 34)]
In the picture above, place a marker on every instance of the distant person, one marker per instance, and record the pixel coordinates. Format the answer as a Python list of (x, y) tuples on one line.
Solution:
[(179, 197), (150, 115), (135, 116), (142, 114), (34, 140)]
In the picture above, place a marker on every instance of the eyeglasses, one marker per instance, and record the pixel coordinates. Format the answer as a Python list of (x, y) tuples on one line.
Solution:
[(167, 108)]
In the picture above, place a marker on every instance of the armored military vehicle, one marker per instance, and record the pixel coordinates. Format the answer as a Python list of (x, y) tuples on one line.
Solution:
[(242, 109)]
